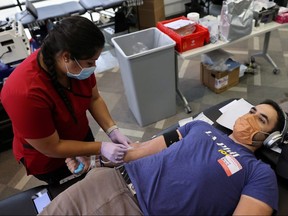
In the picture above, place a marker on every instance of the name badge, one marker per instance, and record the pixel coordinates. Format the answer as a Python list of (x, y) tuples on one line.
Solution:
[(230, 164)]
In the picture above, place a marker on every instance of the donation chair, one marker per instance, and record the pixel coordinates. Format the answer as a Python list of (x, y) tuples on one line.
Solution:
[(25, 206), (39, 20), (96, 5), (33, 15), (22, 204), (101, 6)]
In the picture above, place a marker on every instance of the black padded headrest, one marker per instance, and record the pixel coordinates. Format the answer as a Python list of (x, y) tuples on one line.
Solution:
[(282, 164)]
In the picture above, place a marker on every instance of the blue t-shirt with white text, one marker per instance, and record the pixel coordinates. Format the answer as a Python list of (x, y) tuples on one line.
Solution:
[(205, 173)]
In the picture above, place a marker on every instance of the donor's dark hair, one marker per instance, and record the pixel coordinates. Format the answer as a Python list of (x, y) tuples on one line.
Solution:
[(280, 115)]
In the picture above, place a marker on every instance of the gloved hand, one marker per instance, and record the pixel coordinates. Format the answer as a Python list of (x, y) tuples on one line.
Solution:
[(113, 151), (117, 137), (78, 165)]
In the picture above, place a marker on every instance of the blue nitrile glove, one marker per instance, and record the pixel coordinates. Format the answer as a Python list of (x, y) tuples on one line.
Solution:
[(113, 151), (117, 137)]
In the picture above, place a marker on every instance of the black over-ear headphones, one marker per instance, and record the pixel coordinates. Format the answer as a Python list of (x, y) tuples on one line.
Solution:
[(276, 137)]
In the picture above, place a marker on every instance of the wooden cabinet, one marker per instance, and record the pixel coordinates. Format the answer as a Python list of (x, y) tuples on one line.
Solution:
[(150, 13)]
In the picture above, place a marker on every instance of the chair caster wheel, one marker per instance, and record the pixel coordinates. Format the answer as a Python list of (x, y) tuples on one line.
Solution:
[(276, 70), (188, 109)]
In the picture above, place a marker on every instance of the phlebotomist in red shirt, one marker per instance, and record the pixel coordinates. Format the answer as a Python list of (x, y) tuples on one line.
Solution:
[(47, 96)]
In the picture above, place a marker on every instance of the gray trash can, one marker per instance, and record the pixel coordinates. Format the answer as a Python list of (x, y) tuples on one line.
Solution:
[(148, 76)]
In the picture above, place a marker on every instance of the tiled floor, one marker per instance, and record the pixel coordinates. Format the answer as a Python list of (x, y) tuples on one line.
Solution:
[(254, 88)]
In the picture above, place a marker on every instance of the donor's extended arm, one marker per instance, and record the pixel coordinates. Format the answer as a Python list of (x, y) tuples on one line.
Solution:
[(153, 146)]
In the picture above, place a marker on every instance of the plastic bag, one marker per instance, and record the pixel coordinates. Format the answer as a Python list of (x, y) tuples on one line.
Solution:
[(215, 57), (139, 47), (236, 19), (211, 23)]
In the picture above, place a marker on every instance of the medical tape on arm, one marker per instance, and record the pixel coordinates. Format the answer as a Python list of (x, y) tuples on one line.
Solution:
[(92, 162)]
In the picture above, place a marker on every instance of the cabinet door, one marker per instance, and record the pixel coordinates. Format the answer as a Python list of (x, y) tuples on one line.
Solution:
[(150, 13)]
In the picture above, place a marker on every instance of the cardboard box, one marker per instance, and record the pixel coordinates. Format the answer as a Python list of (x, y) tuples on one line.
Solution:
[(152, 4), (218, 81), (151, 12), (198, 38)]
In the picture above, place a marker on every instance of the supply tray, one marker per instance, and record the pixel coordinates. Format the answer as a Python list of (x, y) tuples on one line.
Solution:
[(198, 38)]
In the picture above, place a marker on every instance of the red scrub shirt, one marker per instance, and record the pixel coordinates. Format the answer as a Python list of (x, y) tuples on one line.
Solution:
[(36, 111)]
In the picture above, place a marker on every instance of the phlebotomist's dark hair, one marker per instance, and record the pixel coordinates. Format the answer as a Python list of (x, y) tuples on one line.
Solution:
[(76, 35)]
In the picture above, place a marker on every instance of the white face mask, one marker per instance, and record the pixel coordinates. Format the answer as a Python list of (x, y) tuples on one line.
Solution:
[(84, 73)]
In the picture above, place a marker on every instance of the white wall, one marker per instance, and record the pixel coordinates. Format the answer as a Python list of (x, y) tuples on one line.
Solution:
[(174, 7)]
